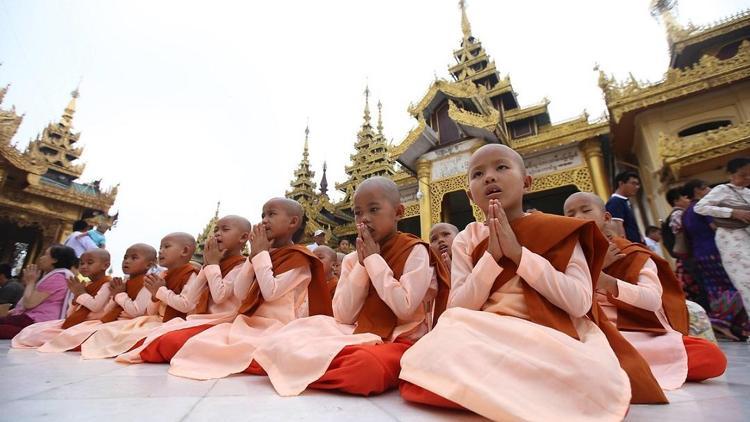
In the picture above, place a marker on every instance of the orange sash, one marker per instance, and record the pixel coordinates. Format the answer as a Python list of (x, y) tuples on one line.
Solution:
[(331, 284), (133, 286), (554, 238), (227, 264), (176, 280), (376, 316), (287, 258), (631, 318), (80, 314)]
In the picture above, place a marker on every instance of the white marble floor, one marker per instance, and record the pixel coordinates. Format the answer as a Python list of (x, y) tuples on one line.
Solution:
[(62, 387)]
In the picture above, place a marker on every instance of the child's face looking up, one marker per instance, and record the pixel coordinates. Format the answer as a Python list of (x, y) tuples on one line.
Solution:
[(497, 172)]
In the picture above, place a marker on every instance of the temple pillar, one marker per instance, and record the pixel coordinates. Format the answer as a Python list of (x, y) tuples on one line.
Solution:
[(592, 150), (424, 168)]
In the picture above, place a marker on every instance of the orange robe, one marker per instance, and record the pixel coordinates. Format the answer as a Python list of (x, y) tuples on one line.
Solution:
[(171, 301), (516, 342), (651, 313), (380, 308), (164, 342), (275, 288), (90, 306)]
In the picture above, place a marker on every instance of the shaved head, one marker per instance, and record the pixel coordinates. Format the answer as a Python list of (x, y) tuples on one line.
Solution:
[(504, 150), (185, 239), (146, 250), (323, 249), (444, 226), (237, 221), (383, 186), (98, 253), (292, 207), (584, 197)]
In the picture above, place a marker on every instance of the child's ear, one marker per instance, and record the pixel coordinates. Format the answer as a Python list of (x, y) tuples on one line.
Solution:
[(471, 198), (294, 221), (399, 211), (527, 182), (245, 237), (186, 251), (607, 217)]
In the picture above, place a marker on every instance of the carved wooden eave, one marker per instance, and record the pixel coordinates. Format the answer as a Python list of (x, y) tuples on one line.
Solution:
[(441, 89), (483, 126), (526, 112), (710, 72), (21, 161), (689, 155), (419, 140), (102, 201), (696, 35), (626, 100), (561, 134)]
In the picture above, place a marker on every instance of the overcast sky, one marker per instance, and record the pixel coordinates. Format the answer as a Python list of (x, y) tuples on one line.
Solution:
[(187, 103)]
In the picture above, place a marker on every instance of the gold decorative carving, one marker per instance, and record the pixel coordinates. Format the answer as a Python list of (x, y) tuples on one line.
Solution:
[(578, 176), (709, 72), (561, 134), (679, 152), (526, 112), (462, 89), (694, 35), (439, 188), (488, 122), (411, 209)]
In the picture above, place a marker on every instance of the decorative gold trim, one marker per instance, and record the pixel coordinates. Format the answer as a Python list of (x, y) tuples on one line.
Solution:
[(580, 177), (411, 209), (695, 35), (412, 137), (709, 72), (487, 122), (677, 152), (526, 112), (462, 89), (561, 134)]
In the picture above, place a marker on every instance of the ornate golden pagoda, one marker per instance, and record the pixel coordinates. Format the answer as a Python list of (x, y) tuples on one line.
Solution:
[(479, 106), (303, 187), (692, 121), (371, 156), (40, 196)]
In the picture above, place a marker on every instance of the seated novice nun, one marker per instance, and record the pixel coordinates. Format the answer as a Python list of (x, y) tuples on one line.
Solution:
[(515, 343), (88, 304), (639, 292)]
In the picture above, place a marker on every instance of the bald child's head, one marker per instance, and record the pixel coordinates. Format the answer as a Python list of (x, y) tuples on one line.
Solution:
[(176, 249), (232, 233), (441, 238), (587, 206), (94, 263), (497, 172), (328, 257), (378, 208), (283, 220), (138, 259)]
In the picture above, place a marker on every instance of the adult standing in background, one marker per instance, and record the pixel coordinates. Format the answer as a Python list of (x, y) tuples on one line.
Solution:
[(319, 238), (628, 183), (729, 205), (80, 244), (726, 308)]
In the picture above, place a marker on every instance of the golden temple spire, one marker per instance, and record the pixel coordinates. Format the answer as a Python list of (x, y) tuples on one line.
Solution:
[(208, 230), (324, 181), (67, 117), (303, 187), (367, 105), (380, 118), (465, 25)]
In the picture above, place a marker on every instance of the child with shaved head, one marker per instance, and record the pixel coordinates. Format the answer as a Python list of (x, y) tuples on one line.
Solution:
[(381, 306), (516, 342), (279, 283), (174, 295), (640, 294), (223, 261), (441, 241), (129, 300), (89, 302), (329, 258)]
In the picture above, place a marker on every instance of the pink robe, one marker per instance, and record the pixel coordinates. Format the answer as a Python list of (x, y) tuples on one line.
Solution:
[(227, 348), (117, 337), (487, 356), (301, 352), (665, 354), (75, 336), (222, 307), (35, 335)]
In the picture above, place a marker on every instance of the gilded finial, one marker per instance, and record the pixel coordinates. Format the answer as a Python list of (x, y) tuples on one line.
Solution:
[(367, 104), (465, 25), (67, 117), (380, 117), (324, 180)]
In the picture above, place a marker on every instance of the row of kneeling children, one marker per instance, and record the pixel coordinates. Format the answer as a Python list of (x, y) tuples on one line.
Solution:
[(522, 316)]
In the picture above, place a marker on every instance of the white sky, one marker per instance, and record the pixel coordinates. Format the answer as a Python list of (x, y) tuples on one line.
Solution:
[(186, 103)]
